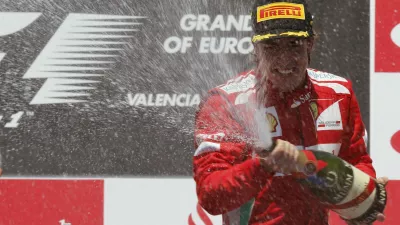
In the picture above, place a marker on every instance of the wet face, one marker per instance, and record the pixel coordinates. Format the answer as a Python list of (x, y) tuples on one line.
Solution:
[(284, 62)]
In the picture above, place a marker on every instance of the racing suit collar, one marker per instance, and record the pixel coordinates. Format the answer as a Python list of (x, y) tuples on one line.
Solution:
[(292, 99)]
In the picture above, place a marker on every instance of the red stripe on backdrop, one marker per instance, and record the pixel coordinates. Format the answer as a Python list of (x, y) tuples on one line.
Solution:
[(190, 220), (203, 216), (51, 201), (387, 52), (391, 211)]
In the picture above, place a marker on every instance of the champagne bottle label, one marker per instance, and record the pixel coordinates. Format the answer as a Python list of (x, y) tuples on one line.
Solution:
[(359, 198), (353, 194)]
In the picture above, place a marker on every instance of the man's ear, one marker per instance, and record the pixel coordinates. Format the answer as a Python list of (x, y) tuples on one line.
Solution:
[(310, 46), (257, 52)]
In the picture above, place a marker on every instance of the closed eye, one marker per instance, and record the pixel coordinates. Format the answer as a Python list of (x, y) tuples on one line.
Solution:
[(296, 43)]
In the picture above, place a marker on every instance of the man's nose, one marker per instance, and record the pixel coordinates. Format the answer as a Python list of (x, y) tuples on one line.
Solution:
[(287, 59)]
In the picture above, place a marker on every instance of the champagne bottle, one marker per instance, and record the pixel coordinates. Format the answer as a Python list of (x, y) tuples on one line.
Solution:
[(343, 188)]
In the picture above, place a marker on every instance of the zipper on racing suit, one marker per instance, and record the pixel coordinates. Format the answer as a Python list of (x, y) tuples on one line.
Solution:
[(322, 218), (301, 127)]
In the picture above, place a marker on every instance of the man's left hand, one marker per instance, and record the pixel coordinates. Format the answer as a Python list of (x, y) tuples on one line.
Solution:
[(380, 217), (382, 180)]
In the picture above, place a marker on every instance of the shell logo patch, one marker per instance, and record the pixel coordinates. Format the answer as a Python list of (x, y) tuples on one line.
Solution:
[(273, 123)]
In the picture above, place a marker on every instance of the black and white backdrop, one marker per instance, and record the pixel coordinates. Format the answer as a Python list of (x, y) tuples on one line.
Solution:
[(109, 88)]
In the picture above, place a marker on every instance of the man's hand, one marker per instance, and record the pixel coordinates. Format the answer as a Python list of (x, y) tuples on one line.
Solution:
[(382, 180), (380, 217), (281, 159)]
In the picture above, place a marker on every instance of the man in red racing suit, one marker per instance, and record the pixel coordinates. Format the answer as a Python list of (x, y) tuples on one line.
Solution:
[(323, 115), (302, 108)]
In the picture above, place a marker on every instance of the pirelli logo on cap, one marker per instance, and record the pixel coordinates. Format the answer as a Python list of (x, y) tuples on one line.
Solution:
[(280, 10)]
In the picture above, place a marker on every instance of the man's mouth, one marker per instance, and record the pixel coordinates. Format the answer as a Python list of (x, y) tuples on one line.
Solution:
[(284, 71)]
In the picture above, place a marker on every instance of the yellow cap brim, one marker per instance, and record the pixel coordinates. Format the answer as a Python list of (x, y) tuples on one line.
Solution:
[(262, 37)]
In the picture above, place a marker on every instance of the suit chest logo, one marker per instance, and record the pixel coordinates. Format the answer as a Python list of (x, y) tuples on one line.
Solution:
[(301, 99), (273, 122), (330, 118)]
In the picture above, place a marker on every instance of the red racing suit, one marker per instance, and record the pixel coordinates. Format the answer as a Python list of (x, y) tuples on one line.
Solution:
[(323, 115)]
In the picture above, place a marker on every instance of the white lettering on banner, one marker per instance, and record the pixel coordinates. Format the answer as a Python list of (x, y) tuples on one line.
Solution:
[(188, 22), (330, 118), (221, 45), (395, 35), (175, 44), (181, 100), (240, 85), (225, 45), (203, 22), (13, 120), (323, 76)]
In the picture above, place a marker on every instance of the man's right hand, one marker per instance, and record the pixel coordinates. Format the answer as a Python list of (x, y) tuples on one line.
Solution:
[(281, 159)]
